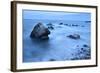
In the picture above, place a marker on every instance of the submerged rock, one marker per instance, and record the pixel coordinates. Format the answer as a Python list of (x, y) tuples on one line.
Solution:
[(40, 31), (74, 25), (50, 26), (88, 21), (61, 24), (52, 60), (74, 36), (66, 24), (85, 45)]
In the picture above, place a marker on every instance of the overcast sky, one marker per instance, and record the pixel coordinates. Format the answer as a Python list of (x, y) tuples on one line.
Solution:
[(51, 15)]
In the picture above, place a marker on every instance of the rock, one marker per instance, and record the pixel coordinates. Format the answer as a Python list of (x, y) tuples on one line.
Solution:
[(75, 58), (66, 24), (40, 31), (74, 36), (88, 21), (82, 49), (50, 26), (52, 60), (74, 25), (85, 45), (61, 24)]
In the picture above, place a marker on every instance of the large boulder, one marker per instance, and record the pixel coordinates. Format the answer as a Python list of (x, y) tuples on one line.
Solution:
[(40, 31)]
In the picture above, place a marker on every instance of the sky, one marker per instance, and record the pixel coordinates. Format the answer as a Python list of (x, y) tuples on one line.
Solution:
[(55, 15)]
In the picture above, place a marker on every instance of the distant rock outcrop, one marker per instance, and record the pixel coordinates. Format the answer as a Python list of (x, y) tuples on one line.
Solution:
[(74, 36), (40, 31)]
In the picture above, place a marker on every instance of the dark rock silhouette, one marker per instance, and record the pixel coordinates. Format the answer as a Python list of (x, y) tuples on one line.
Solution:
[(52, 60), (74, 36), (85, 45), (61, 24), (74, 25), (50, 26), (88, 21), (40, 31)]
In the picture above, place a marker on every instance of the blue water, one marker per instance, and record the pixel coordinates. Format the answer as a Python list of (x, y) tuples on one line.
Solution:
[(59, 47)]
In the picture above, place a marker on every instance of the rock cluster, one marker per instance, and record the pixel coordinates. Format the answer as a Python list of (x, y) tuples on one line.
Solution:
[(84, 52)]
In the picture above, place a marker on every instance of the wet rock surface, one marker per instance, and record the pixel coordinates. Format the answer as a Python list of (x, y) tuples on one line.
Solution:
[(40, 31), (74, 36)]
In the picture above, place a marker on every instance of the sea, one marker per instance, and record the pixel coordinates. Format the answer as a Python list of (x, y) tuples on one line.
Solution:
[(58, 47)]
